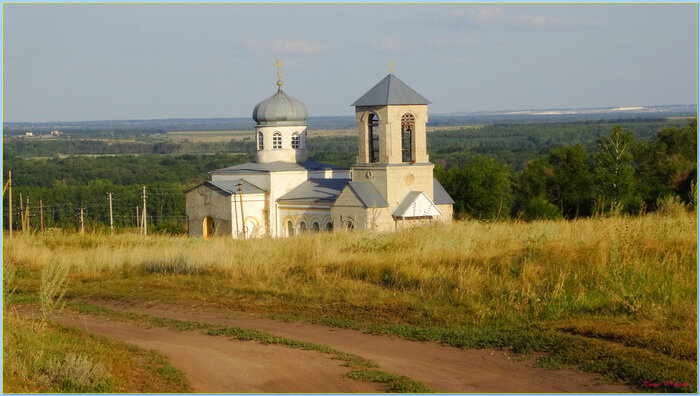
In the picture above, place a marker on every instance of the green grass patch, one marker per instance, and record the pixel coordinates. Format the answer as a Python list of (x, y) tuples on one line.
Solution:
[(61, 359)]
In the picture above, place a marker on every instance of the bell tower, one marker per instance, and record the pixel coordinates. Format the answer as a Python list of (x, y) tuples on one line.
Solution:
[(392, 154)]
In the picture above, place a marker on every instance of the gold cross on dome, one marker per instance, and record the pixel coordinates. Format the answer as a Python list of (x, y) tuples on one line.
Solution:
[(278, 64), (391, 66)]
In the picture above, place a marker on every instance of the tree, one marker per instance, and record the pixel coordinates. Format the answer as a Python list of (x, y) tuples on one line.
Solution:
[(571, 184), (531, 201), (482, 188), (613, 171)]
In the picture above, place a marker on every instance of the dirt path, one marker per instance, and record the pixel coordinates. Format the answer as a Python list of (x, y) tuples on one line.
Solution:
[(217, 365), (443, 368)]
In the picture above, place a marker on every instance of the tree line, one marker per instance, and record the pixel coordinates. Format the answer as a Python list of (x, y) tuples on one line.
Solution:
[(621, 175), (611, 169)]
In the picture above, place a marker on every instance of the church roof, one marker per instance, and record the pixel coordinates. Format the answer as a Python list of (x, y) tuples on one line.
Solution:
[(231, 186), (316, 191), (440, 196), (367, 194), (416, 204), (280, 109), (390, 91), (277, 166)]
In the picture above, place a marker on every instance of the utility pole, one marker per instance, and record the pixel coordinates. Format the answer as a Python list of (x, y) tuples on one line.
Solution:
[(82, 224), (21, 210), (111, 219), (138, 223), (10, 186), (143, 217), (41, 213), (27, 213), (240, 194)]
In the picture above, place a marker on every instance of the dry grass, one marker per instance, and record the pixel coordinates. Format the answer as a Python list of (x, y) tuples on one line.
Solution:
[(599, 284)]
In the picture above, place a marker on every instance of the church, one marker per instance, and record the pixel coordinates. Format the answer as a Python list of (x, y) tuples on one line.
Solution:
[(391, 185)]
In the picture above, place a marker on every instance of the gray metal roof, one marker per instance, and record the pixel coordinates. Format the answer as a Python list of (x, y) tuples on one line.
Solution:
[(231, 186), (390, 91), (277, 166), (316, 191), (440, 196), (367, 194), (280, 109)]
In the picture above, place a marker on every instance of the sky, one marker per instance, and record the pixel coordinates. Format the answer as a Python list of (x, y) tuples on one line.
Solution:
[(76, 62)]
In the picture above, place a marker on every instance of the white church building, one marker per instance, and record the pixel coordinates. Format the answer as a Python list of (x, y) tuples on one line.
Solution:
[(283, 193)]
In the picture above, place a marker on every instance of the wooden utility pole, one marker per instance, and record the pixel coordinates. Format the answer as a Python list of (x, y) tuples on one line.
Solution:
[(27, 213), (138, 223), (82, 224), (143, 217), (111, 219), (240, 195), (10, 186), (41, 213), (21, 210)]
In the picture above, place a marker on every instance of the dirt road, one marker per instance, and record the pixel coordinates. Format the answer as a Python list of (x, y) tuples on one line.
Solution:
[(443, 368), (221, 365)]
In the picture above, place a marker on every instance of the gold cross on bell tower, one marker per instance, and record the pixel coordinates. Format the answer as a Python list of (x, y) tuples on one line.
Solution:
[(391, 66), (279, 75)]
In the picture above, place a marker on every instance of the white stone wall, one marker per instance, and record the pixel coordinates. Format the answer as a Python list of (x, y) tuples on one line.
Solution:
[(286, 153)]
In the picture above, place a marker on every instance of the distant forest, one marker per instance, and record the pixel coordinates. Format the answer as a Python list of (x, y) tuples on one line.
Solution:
[(525, 170)]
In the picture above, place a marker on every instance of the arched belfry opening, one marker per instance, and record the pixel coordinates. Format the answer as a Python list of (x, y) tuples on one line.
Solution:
[(408, 138), (373, 137)]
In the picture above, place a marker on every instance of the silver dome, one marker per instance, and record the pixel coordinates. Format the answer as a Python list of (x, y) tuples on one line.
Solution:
[(280, 109)]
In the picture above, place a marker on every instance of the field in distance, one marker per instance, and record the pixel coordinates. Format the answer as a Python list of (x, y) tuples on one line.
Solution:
[(225, 136), (615, 296)]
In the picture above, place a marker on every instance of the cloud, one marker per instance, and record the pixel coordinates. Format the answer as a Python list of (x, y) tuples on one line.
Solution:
[(539, 22), (283, 46), (388, 44), (496, 17)]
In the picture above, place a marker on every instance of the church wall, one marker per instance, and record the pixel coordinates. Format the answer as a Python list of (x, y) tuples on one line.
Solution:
[(202, 202), (308, 213), (394, 113), (254, 210), (280, 184), (446, 210), (402, 179), (286, 153)]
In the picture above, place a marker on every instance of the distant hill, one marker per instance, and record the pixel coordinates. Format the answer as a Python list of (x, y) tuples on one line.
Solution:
[(344, 122)]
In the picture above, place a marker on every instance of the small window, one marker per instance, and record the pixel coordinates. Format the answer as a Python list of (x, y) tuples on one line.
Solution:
[(290, 229), (277, 141), (329, 226), (295, 141), (260, 141), (315, 227), (302, 228)]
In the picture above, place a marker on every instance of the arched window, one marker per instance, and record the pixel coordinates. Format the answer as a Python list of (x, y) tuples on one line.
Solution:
[(290, 229), (315, 227), (408, 131), (302, 227), (373, 137), (329, 226), (277, 141), (295, 141), (349, 225), (260, 141)]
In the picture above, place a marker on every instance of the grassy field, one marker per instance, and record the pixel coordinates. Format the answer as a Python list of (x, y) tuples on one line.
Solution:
[(616, 296), (226, 136)]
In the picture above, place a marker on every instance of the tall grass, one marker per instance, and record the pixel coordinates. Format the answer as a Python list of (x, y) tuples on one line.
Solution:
[(469, 271), (579, 289)]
